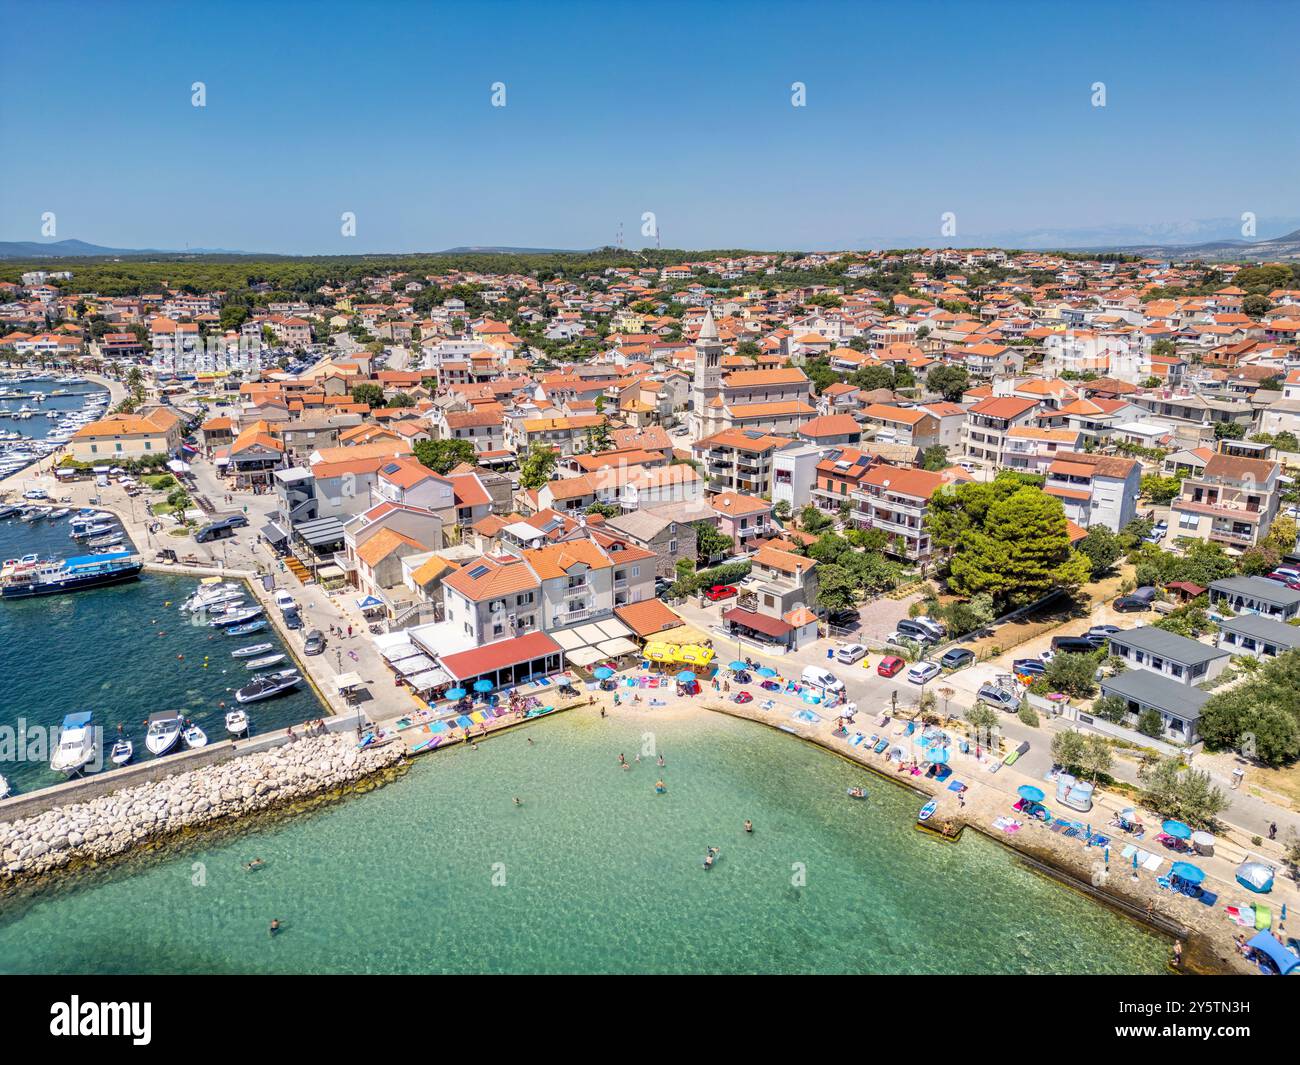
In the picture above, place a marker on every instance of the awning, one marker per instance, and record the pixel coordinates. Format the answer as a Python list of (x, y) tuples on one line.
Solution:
[(274, 534), (177, 466), (320, 531), (504, 654), (1284, 959), (428, 680), (347, 681), (774, 627), (568, 639), (584, 656), (370, 602), (614, 648), (409, 667), (389, 643)]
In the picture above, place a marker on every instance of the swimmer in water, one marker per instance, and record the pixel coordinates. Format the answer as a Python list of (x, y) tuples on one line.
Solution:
[(256, 863), (622, 759), (660, 761), (749, 827), (275, 926), (659, 787), (518, 801)]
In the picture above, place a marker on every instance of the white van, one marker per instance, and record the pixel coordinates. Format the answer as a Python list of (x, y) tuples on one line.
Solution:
[(816, 677), (285, 602)]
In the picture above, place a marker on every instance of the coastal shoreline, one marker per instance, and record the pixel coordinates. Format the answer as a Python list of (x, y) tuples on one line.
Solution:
[(1209, 949)]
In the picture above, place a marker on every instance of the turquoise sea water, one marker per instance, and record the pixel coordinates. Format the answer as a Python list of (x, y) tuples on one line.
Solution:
[(36, 427), (594, 873), (101, 650)]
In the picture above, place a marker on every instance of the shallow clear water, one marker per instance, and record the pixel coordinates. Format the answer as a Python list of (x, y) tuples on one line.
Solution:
[(440, 872), (100, 650)]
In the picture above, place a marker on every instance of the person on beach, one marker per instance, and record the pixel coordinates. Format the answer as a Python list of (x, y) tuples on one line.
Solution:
[(1178, 954)]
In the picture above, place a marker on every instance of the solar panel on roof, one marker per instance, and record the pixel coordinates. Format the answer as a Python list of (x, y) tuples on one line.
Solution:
[(478, 571)]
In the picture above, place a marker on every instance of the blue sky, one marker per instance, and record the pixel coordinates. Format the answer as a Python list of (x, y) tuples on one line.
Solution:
[(613, 110)]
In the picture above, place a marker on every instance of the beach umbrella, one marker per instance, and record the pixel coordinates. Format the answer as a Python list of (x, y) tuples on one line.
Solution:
[(1128, 813), (1030, 793), (1193, 874), (767, 671), (686, 676), (482, 685), (736, 666), (1176, 829), (455, 693), (1256, 876), (602, 673)]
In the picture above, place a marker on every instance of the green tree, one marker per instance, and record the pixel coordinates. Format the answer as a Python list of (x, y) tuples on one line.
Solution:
[(1184, 794), (370, 394), (442, 456), (1102, 548), (1160, 490), (711, 542), (400, 401), (537, 467), (1229, 430), (1149, 723), (1260, 715), (836, 588), (950, 382), (1074, 674), (934, 458), (1112, 708)]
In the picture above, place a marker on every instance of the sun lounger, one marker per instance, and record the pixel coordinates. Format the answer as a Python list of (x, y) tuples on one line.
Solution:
[(1153, 862)]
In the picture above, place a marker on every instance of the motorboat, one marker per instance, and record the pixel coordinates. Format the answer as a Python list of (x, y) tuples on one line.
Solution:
[(236, 617), (266, 686), (211, 594), (265, 662), (123, 751), (164, 731), (59, 512), (4, 788), (78, 744), (236, 722), (244, 630), (252, 649), (195, 737)]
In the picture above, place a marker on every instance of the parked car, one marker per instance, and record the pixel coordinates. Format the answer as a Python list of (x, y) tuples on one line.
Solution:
[(720, 591), (923, 671), (1106, 631), (850, 653), (912, 629), (999, 698), (1289, 571), (1029, 667), (890, 666), (956, 657), (1126, 604), (1073, 645), (314, 644), (1281, 578), (292, 620)]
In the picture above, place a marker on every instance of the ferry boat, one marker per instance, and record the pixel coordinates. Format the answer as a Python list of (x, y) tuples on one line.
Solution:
[(78, 744), (29, 576)]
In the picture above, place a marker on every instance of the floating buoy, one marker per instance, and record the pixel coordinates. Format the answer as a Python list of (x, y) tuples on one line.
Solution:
[(180, 658)]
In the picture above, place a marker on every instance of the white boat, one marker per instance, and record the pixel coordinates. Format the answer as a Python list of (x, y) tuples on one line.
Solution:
[(123, 751), (195, 737), (268, 685), (60, 512), (252, 649), (4, 788), (78, 744), (236, 722), (164, 731), (265, 662), (236, 617)]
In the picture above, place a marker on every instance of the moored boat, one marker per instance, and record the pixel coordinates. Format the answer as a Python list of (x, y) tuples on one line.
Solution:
[(195, 737), (244, 630), (78, 743), (164, 731), (236, 722), (26, 577), (265, 662), (266, 686), (252, 649), (236, 617), (123, 751)]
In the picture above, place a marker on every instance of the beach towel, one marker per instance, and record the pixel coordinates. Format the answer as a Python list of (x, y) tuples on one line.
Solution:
[(1153, 862), (464, 722), (1207, 898), (1128, 851), (956, 785)]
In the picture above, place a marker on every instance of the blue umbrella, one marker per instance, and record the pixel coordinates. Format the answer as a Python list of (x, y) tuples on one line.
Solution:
[(482, 685), (1029, 792), (767, 671), (602, 673), (455, 693), (1176, 829), (686, 676), (736, 665), (1193, 874)]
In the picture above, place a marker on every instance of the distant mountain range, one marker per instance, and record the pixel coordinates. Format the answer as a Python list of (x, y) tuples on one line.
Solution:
[(475, 249), (1284, 247), (67, 249)]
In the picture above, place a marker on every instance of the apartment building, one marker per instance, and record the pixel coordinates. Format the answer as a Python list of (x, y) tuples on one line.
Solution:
[(1232, 501), (1178, 658), (1031, 449), (984, 437), (776, 604), (903, 425), (743, 518), (1095, 489), (740, 460), (894, 500)]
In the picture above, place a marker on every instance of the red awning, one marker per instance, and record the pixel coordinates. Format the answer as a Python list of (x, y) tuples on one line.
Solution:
[(774, 627), (502, 655)]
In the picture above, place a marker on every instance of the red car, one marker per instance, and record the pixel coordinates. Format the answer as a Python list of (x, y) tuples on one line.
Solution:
[(890, 665), (720, 591)]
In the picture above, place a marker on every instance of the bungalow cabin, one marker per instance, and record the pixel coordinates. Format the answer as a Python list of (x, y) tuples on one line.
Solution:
[(1260, 637), (1179, 705), (1168, 654), (1255, 595)]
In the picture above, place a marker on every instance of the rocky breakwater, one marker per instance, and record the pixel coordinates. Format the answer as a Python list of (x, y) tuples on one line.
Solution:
[(109, 826)]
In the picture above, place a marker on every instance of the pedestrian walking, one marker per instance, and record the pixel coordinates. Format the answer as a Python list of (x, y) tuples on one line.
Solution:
[(1272, 830)]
